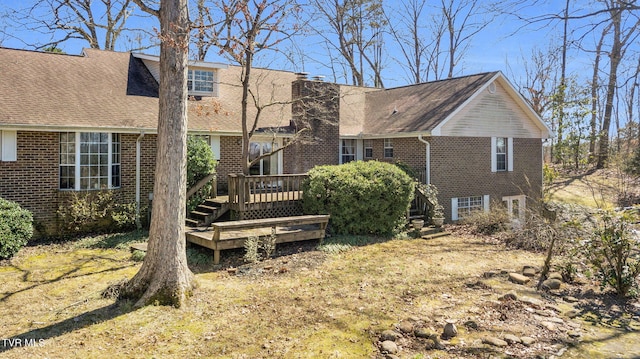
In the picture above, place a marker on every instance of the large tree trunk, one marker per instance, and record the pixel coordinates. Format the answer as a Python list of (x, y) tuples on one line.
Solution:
[(164, 277)]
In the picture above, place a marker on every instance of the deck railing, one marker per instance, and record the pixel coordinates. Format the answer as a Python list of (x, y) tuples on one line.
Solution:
[(201, 191), (259, 192)]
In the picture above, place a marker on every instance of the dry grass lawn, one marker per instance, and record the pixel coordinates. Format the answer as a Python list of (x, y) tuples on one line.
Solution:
[(311, 304)]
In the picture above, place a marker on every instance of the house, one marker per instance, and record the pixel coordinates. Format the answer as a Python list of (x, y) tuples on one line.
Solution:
[(83, 122)]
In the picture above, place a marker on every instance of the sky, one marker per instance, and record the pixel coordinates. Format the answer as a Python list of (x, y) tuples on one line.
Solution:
[(500, 46)]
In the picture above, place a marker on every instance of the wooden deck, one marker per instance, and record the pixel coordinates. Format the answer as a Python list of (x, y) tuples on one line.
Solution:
[(233, 234)]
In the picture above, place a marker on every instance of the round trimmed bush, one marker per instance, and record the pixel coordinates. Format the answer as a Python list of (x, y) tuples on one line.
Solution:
[(362, 197), (16, 228)]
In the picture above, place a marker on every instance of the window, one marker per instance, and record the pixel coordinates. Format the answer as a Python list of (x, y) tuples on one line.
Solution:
[(267, 165), (501, 154), (348, 150), (200, 81), (368, 148), (388, 148), (8, 146), (464, 206), (89, 160), (516, 206)]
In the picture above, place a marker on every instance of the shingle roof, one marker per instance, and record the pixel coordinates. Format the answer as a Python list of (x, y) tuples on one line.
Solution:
[(96, 90), (419, 108), (115, 90)]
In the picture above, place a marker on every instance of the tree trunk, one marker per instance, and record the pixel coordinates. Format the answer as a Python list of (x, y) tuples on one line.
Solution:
[(164, 277)]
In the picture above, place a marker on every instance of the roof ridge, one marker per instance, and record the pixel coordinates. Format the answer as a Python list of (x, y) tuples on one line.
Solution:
[(40, 51), (443, 80)]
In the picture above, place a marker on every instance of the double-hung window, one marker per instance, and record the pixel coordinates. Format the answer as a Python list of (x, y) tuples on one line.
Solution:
[(201, 82), (501, 154), (388, 148), (348, 150), (462, 207), (89, 160), (368, 148)]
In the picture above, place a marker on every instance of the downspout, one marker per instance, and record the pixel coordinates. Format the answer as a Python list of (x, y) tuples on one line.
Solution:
[(428, 159), (138, 141)]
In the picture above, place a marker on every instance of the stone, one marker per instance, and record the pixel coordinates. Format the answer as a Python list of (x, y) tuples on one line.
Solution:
[(389, 347), (508, 296), (494, 341), (449, 331), (471, 324), (518, 278), (391, 356), (421, 333), (405, 327), (554, 275), (527, 341), (572, 313), (555, 308), (549, 326), (570, 299), (391, 335), (490, 274), (529, 271), (574, 334), (511, 339), (534, 302), (552, 283)]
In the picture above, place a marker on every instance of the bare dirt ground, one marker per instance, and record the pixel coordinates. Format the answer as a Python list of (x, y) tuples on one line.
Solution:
[(307, 303)]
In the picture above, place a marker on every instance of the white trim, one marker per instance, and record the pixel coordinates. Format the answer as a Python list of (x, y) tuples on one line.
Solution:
[(8, 146), (486, 203), (521, 205), (215, 146), (427, 165), (359, 150), (454, 208), (210, 65), (510, 154), (494, 162)]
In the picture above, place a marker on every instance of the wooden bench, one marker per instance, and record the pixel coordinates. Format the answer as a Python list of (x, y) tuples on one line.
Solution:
[(232, 234)]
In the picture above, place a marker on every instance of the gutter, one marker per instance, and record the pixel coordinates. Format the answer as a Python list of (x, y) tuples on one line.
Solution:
[(428, 158), (138, 141)]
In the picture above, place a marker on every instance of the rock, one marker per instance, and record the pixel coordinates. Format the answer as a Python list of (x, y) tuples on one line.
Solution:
[(388, 347), (552, 283), (434, 343), (471, 324), (406, 327), (554, 275), (518, 278), (574, 334), (509, 296), (421, 333), (391, 335), (529, 271), (494, 341), (571, 313), (534, 302), (490, 274), (555, 308), (391, 356), (549, 326), (527, 341), (511, 339), (570, 299), (449, 331)]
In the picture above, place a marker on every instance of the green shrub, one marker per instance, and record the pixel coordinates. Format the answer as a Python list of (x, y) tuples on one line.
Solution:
[(16, 228), (362, 197), (615, 255), (94, 212), (200, 163)]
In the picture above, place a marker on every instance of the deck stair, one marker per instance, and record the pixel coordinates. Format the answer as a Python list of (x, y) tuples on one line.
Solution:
[(207, 212)]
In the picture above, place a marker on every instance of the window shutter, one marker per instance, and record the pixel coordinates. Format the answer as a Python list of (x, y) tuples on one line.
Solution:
[(486, 203), (510, 154), (494, 164), (9, 146), (215, 147), (454, 209)]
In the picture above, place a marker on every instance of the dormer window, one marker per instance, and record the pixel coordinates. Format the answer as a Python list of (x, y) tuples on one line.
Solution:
[(201, 82)]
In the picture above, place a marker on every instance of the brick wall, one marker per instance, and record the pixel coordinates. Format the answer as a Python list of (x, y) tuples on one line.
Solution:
[(32, 180), (230, 160), (461, 167), (317, 110), (408, 150)]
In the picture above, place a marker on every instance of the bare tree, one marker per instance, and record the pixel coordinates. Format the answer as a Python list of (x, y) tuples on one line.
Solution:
[(464, 19), (619, 14), (355, 28), (164, 277), (101, 23)]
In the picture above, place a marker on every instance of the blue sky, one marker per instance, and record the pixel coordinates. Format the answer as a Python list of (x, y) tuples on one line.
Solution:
[(495, 48)]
